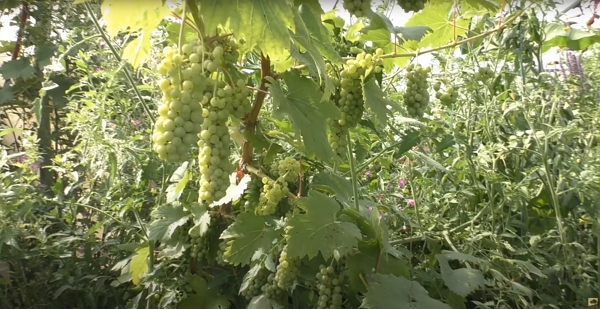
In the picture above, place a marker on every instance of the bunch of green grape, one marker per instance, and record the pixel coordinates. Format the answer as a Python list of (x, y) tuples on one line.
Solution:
[(200, 244), (358, 8), (484, 73), (270, 289), (287, 270), (288, 168), (272, 193), (350, 98), (256, 283), (252, 193), (412, 5), (180, 115), (416, 96), (329, 288), (221, 259), (448, 96)]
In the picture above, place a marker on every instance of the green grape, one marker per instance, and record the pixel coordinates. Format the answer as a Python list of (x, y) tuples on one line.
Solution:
[(221, 253), (358, 8), (200, 244), (349, 99), (270, 289), (289, 168), (256, 283), (272, 193), (329, 287), (484, 73), (416, 96), (252, 193), (287, 270), (412, 5), (448, 96)]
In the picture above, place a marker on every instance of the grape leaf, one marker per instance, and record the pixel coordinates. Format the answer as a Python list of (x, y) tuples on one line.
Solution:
[(139, 265), (170, 217), (249, 233), (314, 61), (148, 15), (363, 262), (480, 6), (307, 113), (201, 218), (375, 100), (249, 276), (234, 191), (313, 4), (390, 292), (319, 34), (205, 297), (263, 302), (7, 94), (20, 68), (263, 23), (437, 16), (44, 54), (340, 186), (462, 281), (319, 231), (559, 35)]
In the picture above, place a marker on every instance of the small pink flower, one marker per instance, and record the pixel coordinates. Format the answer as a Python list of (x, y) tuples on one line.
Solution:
[(425, 149), (136, 123), (410, 202), (112, 125), (368, 174), (381, 197), (22, 158), (404, 228), (98, 69), (35, 166), (152, 184), (402, 182)]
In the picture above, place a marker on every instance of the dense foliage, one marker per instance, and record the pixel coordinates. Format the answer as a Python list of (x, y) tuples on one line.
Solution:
[(273, 155)]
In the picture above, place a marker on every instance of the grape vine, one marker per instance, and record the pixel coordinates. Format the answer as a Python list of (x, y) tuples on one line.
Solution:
[(412, 5)]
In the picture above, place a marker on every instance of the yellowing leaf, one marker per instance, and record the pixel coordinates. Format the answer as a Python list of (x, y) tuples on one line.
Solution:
[(437, 16), (263, 23), (139, 265), (80, 1), (118, 17)]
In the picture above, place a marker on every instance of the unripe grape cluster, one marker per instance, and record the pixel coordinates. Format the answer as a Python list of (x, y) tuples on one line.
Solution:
[(272, 193), (448, 96), (416, 96), (358, 8), (412, 5), (329, 288), (484, 73), (197, 100), (200, 244), (350, 100), (256, 283), (288, 168), (287, 270)]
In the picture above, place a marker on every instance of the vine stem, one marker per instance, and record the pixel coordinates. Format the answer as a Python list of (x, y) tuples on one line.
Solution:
[(115, 53), (352, 172)]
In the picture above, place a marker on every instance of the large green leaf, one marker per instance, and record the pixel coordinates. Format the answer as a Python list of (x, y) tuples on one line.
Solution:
[(319, 34), (139, 264), (20, 68), (148, 15), (308, 114), (248, 234), (170, 217), (363, 262), (375, 101), (312, 57), (318, 231), (560, 35), (462, 281), (437, 16), (380, 32), (390, 292), (262, 23)]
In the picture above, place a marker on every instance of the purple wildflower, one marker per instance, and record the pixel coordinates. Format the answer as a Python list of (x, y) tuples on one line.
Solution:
[(136, 122), (368, 174), (404, 228), (410, 202), (22, 158), (402, 182), (381, 197)]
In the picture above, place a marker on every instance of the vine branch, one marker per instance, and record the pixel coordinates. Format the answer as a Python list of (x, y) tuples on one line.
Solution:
[(252, 117)]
